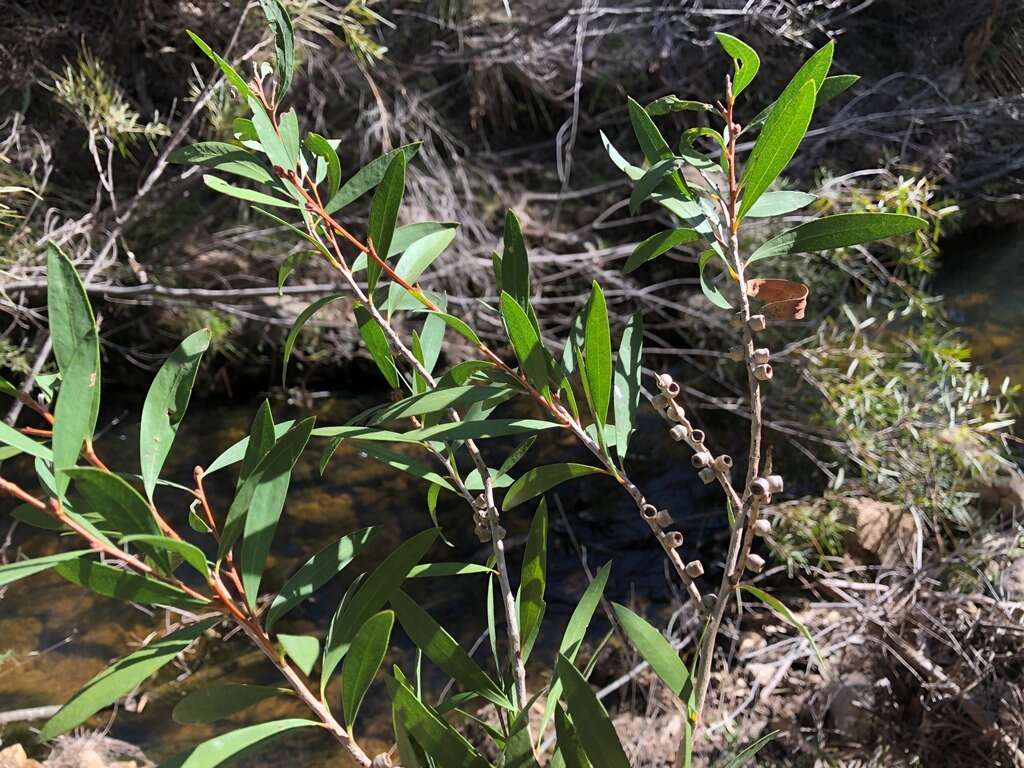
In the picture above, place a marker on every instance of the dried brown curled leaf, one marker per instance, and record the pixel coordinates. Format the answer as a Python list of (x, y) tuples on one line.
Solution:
[(784, 299)]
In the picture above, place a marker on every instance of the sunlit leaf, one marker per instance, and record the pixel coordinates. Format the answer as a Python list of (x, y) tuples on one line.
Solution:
[(368, 177), (225, 748), (655, 649), (304, 650), (626, 387), (369, 647), (655, 245), (284, 43), (542, 479), (21, 569), (593, 726), (220, 700), (838, 231), (533, 580), (779, 204), (107, 581), (744, 57), (597, 352), (387, 199)]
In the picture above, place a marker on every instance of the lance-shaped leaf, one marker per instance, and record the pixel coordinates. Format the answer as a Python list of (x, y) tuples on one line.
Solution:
[(529, 349), (124, 585), (656, 651), (593, 726), (189, 553), (249, 195), (711, 292), (782, 133), (438, 400), (304, 650), (371, 597), (626, 389), (839, 231), (271, 481), (672, 103), (284, 43), (120, 678), (220, 700), (542, 479), (569, 750), (515, 266), (834, 86), (479, 430), (438, 570), (597, 352), (376, 342), (433, 734), (655, 245), (575, 631), (418, 256), (533, 580), (165, 405), (398, 461), (228, 746), (77, 349), (779, 608), (368, 177), (745, 756), (251, 452), (779, 203), (369, 647), (324, 150), (317, 571), (226, 158), (236, 80), (23, 443), (442, 649), (22, 569), (653, 144), (744, 57), (387, 199)]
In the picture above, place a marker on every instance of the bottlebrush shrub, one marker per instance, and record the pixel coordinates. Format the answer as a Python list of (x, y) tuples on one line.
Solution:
[(591, 390)]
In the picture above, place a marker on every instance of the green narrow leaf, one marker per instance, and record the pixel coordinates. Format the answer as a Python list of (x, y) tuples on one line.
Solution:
[(438, 570), (672, 103), (437, 737), (653, 144), (23, 443), (226, 158), (575, 631), (711, 292), (779, 204), (377, 344), (236, 80), (655, 245), (533, 580), (394, 460), (284, 43), (593, 726), (77, 350), (250, 451), (387, 199), (165, 405), (24, 568), (782, 133), (542, 479), (438, 400), (304, 650), (369, 647), (317, 571), (647, 183), (834, 86), (250, 195), (323, 149), (442, 649), (271, 481), (220, 700), (569, 747), (368, 177), (418, 256), (371, 597), (626, 394), (291, 262), (656, 650), (113, 582), (190, 553), (597, 351), (288, 126), (747, 754), (225, 748), (838, 231), (515, 266), (533, 358), (460, 326), (786, 615), (744, 57), (120, 678)]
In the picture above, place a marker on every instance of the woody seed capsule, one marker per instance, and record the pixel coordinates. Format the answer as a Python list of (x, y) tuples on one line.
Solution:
[(660, 402), (679, 432), (755, 563), (775, 483), (761, 356), (700, 459), (676, 413), (648, 511), (763, 372), (707, 475), (757, 323), (674, 539), (694, 569), (667, 385), (697, 435), (723, 463), (663, 518), (762, 527), (760, 487)]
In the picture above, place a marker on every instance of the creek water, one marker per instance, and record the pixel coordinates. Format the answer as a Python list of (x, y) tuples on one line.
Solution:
[(54, 636)]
